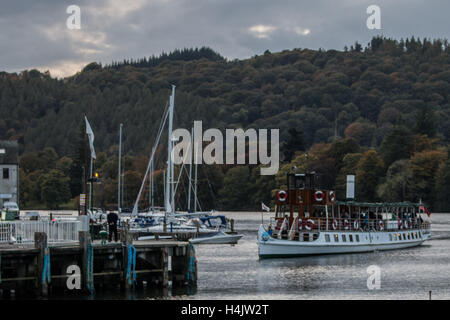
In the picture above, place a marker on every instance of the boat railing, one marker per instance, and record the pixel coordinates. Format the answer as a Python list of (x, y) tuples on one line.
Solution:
[(315, 224)]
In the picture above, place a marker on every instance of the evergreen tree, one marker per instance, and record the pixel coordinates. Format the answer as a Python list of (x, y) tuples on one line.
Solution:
[(369, 170), (398, 144), (55, 189), (77, 155), (294, 144), (425, 122)]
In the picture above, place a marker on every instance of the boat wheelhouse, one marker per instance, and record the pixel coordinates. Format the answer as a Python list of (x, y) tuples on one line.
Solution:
[(309, 220)]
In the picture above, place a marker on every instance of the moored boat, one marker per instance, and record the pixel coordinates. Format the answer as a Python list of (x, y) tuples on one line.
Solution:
[(217, 238), (310, 221)]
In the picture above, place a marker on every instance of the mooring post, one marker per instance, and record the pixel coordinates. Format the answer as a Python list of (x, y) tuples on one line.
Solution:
[(40, 242), (127, 240), (232, 225), (167, 266), (167, 254), (85, 240)]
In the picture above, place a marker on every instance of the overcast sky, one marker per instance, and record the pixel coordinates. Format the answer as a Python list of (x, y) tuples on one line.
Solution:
[(33, 33)]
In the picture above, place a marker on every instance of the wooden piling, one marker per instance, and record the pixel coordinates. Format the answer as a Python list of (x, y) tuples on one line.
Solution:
[(40, 242), (127, 240), (163, 263), (84, 238), (165, 266)]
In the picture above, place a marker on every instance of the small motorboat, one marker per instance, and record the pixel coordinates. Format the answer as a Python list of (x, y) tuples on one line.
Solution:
[(217, 238)]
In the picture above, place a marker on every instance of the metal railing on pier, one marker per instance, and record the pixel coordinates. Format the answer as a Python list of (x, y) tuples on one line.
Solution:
[(22, 232)]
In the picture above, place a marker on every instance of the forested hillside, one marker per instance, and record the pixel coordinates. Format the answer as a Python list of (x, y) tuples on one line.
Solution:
[(381, 112)]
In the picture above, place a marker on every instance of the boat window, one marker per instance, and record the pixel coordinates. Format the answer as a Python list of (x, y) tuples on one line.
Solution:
[(327, 238), (404, 237), (420, 235), (395, 236), (399, 236), (415, 233), (350, 237), (409, 236), (344, 238), (390, 237), (336, 238), (357, 237)]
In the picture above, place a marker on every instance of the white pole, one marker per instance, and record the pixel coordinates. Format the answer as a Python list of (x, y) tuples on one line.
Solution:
[(190, 169), (119, 170), (195, 179), (152, 191), (90, 186), (169, 197), (164, 183)]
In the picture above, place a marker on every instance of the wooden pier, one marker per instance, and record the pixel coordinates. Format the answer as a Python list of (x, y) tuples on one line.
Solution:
[(87, 266)]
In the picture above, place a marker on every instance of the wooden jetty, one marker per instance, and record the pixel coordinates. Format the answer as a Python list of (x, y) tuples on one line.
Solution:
[(81, 268)]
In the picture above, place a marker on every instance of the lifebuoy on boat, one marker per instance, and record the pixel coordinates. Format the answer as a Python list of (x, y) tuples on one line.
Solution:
[(334, 224), (380, 225), (282, 196), (309, 224), (332, 196), (346, 224), (356, 225), (318, 196)]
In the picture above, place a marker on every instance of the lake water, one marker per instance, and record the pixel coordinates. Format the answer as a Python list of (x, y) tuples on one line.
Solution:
[(235, 272)]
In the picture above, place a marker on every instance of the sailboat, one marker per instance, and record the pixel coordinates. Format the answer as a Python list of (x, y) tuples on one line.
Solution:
[(168, 221)]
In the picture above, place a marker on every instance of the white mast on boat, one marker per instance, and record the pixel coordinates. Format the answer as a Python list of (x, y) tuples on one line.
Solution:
[(195, 179), (119, 170), (169, 206), (150, 163), (152, 192), (191, 150)]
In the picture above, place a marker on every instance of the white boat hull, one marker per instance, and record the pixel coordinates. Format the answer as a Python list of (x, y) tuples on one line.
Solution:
[(220, 238), (325, 243)]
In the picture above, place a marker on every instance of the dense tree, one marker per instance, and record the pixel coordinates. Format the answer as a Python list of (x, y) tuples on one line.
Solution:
[(55, 189), (398, 144), (391, 96), (424, 166), (442, 186), (397, 185), (234, 194), (369, 170), (294, 144)]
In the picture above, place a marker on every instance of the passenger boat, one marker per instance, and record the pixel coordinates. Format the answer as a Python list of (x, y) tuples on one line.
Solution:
[(310, 221)]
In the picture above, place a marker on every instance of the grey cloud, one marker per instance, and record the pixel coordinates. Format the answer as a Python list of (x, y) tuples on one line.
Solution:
[(115, 30)]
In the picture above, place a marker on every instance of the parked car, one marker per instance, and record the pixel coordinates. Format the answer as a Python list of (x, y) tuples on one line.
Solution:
[(31, 215), (11, 210)]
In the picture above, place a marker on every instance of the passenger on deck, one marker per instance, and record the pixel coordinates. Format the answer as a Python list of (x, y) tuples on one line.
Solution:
[(284, 231)]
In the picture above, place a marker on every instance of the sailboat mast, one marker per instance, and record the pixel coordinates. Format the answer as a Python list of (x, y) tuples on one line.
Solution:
[(152, 191), (191, 150), (195, 179), (169, 177), (119, 169), (164, 186)]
